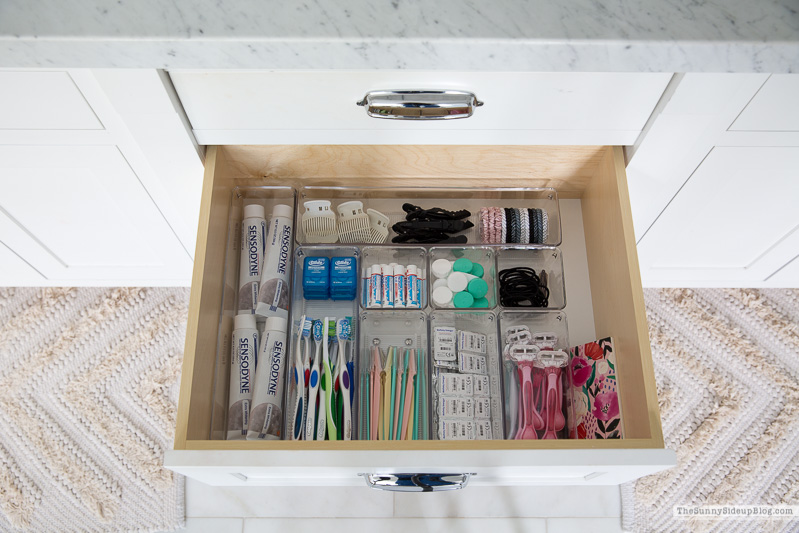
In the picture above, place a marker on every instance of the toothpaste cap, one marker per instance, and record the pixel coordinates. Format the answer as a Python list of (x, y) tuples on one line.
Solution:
[(253, 211), (283, 210), (244, 321), (276, 323)]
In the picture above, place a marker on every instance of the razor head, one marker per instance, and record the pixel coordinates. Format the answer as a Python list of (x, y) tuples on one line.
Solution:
[(545, 340), (523, 353), (518, 335), (552, 358)]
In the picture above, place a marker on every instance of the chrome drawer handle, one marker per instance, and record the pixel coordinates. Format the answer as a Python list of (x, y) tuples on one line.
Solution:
[(417, 482), (420, 105)]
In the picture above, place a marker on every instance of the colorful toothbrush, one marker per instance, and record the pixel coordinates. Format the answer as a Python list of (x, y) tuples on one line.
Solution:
[(396, 387), (343, 334), (402, 379), (327, 381), (375, 373), (417, 383), (299, 385), (385, 382), (313, 381), (306, 371), (424, 434), (410, 377)]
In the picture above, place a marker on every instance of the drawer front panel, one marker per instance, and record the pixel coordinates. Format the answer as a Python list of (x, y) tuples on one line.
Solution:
[(320, 107)]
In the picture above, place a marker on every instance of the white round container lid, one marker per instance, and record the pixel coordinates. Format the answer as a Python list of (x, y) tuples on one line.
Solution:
[(283, 210), (439, 283), (253, 211), (442, 268), (276, 323), (457, 282), (244, 321), (442, 296)]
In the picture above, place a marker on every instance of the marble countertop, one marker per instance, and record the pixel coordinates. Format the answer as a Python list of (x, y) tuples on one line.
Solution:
[(501, 35)]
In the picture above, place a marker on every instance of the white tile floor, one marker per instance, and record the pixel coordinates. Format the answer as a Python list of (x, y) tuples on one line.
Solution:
[(350, 509)]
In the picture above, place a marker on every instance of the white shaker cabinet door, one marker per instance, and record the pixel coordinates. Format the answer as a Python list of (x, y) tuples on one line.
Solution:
[(80, 213), (14, 271), (734, 222)]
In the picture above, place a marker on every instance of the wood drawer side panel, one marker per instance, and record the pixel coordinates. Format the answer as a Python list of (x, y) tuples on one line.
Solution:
[(194, 409), (617, 295)]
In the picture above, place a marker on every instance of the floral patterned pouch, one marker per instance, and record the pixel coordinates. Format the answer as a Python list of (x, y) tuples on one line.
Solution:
[(595, 400)]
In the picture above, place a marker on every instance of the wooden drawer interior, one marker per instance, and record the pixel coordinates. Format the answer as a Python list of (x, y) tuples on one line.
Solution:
[(594, 175)]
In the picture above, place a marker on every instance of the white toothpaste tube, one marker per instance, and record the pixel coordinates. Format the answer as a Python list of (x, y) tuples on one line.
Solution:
[(253, 243), (266, 416), (456, 385), (399, 286), (454, 429), (388, 286), (376, 286), (243, 350), (412, 287), (273, 294)]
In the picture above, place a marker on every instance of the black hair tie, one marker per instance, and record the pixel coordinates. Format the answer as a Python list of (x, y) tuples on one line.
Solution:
[(522, 287)]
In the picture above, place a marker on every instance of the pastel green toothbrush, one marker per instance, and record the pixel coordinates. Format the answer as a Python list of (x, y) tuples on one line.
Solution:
[(392, 408), (402, 383), (327, 381), (417, 384)]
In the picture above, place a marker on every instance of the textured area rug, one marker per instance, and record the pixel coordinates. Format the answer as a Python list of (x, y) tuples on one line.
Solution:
[(88, 400), (727, 369)]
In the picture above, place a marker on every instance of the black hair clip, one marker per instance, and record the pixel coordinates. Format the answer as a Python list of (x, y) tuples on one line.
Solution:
[(431, 226)]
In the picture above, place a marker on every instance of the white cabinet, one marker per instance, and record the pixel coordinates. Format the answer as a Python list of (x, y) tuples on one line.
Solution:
[(735, 221), (99, 179), (713, 184), (319, 107), (80, 213)]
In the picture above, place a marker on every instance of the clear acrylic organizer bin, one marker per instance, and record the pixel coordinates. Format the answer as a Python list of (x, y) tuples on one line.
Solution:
[(268, 197), (450, 383), (379, 255), (318, 310), (389, 201), (549, 259), (482, 255), (395, 333), (554, 324)]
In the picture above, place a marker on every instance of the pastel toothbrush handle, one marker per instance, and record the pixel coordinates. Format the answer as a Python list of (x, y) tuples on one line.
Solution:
[(375, 406), (346, 400), (513, 402), (327, 385), (408, 404)]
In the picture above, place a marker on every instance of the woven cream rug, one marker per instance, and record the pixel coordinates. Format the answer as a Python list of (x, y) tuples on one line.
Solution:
[(88, 398), (727, 369)]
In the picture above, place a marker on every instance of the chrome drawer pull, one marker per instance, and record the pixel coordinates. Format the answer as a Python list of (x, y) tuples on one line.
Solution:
[(420, 105), (417, 482)]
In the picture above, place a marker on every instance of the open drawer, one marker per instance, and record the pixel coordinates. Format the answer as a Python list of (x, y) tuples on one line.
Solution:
[(603, 293)]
